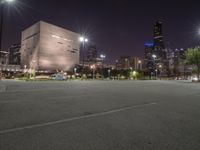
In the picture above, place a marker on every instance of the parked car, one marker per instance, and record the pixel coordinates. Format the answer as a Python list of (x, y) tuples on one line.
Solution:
[(58, 76)]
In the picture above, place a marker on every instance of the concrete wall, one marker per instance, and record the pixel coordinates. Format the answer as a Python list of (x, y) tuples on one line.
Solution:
[(59, 48)]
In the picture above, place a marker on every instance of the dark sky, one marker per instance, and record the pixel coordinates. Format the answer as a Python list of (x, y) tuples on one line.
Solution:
[(118, 27)]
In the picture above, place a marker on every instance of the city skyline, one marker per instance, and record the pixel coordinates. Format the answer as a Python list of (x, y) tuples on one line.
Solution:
[(108, 23)]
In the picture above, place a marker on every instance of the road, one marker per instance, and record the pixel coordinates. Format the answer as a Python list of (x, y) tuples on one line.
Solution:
[(99, 115)]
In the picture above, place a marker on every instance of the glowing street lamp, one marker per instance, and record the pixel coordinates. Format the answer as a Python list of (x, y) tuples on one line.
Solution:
[(102, 56), (75, 69), (83, 40), (93, 70), (109, 73), (154, 56), (2, 3), (139, 64), (155, 65)]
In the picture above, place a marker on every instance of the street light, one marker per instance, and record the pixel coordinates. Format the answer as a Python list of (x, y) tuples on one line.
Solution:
[(139, 64), (75, 69), (154, 56), (109, 73), (83, 40), (93, 70), (160, 69), (155, 65), (102, 58), (3, 2)]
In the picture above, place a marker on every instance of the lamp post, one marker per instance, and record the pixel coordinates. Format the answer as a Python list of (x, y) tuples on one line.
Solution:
[(160, 72), (75, 69), (109, 73), (102, 58), (155, 65), (2, 4), (93, 71), (83, 40), (139, 64)]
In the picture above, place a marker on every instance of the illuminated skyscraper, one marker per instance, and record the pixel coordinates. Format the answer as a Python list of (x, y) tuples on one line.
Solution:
[(159, 48), (155, 53)]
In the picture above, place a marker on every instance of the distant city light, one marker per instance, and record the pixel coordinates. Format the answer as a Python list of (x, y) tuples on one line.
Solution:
[(154, 56), (103, 56), (149, 44), (92, 67)]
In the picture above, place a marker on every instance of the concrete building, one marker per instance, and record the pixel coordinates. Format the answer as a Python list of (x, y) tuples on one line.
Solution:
[(46, 47)]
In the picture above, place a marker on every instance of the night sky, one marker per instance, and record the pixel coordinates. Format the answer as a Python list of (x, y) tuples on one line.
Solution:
[(118, 27)]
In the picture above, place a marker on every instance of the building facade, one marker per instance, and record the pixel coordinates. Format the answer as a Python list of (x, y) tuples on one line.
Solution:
[(46, 47)]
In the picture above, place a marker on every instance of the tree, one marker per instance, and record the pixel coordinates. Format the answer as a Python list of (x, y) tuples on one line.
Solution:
[(193, 58)]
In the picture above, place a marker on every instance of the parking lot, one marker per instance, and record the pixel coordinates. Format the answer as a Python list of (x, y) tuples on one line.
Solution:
[(99, 115)]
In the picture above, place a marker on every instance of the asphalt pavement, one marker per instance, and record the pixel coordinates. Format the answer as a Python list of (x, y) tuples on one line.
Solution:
[(99, 115)]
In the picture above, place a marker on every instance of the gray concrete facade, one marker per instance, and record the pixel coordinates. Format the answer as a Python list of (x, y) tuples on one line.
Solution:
[(46, 47)]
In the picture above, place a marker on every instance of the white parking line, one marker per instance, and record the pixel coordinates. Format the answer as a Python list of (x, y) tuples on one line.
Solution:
[(75, 118)]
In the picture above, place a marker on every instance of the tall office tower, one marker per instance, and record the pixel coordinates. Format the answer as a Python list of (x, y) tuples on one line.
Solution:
[(159, 48), (46, 47)]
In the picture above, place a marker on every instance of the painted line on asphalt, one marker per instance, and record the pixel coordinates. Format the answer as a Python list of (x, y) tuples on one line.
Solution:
[(39, 100), (35, 89), (75, 118)]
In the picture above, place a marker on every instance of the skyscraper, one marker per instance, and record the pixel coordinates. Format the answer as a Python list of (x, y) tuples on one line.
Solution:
[(159, 48), (155, 53)]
